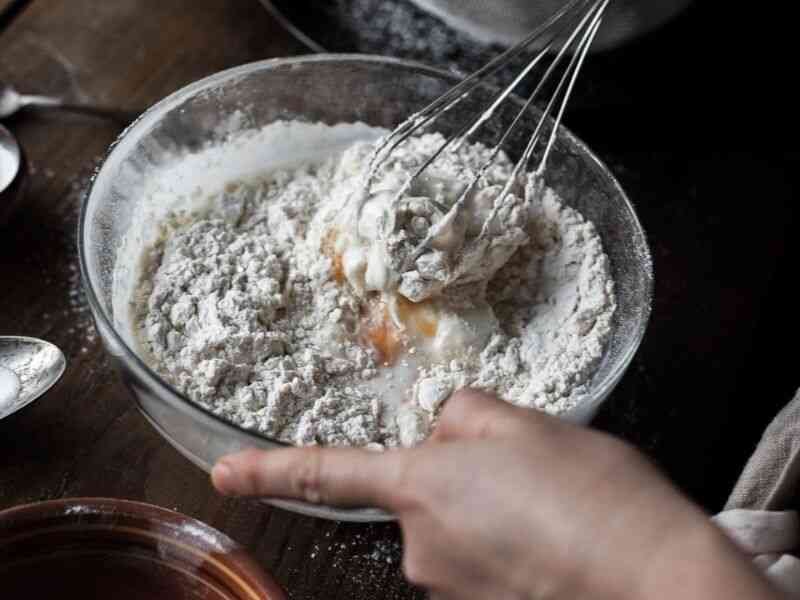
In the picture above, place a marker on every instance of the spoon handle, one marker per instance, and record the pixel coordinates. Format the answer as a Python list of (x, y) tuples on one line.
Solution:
[(123, 117), (42, 101)]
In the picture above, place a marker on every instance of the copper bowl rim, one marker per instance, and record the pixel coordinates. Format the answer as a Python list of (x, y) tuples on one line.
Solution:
[(197, 538)]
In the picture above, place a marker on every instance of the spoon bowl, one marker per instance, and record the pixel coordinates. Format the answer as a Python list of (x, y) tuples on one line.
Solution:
[(28, 368), (10, 159)]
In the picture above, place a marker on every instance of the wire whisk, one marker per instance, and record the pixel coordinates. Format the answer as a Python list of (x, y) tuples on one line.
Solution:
[(573, 27)]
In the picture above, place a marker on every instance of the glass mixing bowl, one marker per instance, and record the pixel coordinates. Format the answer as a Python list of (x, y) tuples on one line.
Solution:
[(330, 89)]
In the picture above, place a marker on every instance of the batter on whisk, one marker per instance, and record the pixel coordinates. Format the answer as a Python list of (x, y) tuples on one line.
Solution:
[(376, 241)]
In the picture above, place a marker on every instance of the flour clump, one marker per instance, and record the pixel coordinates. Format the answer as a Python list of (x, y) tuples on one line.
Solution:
[(278, 307)]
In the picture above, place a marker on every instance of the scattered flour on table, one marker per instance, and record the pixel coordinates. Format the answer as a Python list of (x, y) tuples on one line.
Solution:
[(249, 309)]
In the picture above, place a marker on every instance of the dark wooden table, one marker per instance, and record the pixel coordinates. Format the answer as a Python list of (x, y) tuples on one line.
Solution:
[(716, 192)]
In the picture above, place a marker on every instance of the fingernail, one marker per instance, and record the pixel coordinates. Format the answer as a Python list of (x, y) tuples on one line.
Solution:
[(223, 478)]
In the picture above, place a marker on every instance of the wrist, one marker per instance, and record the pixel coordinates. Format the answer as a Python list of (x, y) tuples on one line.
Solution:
[(661, 535), (618, 537), (702, 563), (658, 545)]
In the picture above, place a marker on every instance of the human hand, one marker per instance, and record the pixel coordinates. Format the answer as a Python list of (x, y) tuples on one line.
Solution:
[(504, 502)]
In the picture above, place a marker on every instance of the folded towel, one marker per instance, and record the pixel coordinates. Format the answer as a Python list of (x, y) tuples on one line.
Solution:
[(771, 479), (760, 515), (508, 21)]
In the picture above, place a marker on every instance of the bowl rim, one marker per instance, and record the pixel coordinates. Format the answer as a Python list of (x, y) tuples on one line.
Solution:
[(182, 402), (122, 508), (198, 538)]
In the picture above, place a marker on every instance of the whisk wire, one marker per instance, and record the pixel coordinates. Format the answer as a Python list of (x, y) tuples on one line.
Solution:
[(456, 94), (571, 72), (594, 18), (470, 128), (575, 67), (589, 15)]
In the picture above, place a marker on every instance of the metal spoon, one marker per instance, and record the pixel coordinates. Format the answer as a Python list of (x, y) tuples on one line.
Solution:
[(36, 366), (10, 159), (11, 101)]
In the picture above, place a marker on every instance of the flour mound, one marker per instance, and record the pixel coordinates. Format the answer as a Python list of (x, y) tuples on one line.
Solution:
[(244, 309)]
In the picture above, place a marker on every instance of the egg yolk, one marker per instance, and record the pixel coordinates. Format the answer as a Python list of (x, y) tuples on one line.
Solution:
[(418, 323)]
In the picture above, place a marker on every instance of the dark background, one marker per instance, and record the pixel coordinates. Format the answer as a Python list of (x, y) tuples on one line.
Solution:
[(700, 125)]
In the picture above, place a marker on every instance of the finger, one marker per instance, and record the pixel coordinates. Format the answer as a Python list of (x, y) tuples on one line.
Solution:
[(474, 414), (346, 477)]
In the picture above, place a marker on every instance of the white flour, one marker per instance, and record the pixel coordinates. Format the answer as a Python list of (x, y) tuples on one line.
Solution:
[(271, 309)]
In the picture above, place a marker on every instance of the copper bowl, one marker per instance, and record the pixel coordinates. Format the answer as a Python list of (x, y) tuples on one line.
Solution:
[(103, 548)]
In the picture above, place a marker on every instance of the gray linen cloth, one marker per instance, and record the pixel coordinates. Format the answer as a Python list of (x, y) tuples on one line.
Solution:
[(761, 515), (508, 21)]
